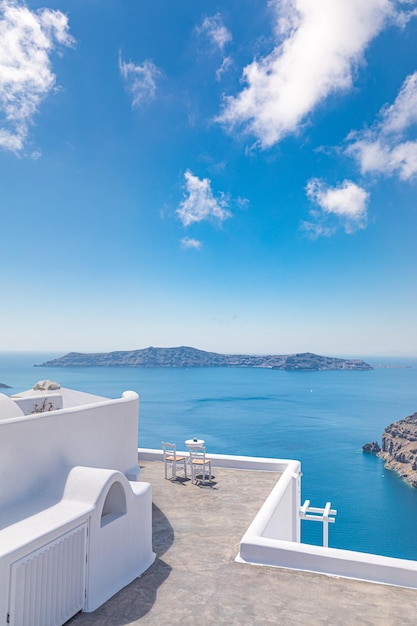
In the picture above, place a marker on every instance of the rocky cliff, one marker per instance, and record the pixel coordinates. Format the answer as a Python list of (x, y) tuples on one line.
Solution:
[(399, 448), (191, 357)]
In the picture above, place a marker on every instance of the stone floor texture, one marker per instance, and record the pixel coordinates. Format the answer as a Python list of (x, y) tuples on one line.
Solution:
[(195, 580)]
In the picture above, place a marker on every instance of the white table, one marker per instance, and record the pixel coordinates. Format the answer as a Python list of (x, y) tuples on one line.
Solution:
[(194, 442)]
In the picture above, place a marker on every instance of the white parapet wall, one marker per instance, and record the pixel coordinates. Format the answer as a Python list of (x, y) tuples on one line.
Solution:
[(331, 561), (278, 517), (38, 450), (225, 460)]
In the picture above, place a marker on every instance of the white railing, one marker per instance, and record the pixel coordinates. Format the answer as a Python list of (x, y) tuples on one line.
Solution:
[(315, 514)]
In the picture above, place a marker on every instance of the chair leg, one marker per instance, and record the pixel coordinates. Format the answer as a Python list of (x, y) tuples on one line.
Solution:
[(205, 472)]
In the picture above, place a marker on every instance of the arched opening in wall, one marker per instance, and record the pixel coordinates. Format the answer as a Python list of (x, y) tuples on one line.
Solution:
[(114, 505)]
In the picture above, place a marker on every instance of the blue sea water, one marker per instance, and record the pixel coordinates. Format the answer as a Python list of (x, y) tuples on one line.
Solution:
[(319, 418)]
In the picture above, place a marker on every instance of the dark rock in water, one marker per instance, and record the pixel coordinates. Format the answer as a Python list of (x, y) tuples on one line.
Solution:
[(371, 448), (3, 386)]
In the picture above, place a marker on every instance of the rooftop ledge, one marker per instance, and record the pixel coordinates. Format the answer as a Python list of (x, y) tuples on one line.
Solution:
[(273, 536)]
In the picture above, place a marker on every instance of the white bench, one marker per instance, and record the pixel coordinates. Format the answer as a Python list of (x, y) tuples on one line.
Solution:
[(74, 554)]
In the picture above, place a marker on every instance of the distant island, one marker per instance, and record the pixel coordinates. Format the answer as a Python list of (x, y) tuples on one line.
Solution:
[(192, 357), (3, 386)]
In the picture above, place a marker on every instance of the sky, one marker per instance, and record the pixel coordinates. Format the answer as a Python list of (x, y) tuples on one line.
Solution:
[(235, 176)]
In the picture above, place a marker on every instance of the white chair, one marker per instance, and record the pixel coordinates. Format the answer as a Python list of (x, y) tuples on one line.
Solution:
[(171, 459), (199, 464)]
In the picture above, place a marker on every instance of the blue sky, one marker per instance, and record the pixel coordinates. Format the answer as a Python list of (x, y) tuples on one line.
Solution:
[(236, 176)]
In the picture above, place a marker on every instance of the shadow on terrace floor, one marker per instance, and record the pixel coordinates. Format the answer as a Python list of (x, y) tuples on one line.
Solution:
[(136, 600)]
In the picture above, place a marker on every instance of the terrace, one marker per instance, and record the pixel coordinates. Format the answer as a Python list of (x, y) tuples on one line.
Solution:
[(196, 535)]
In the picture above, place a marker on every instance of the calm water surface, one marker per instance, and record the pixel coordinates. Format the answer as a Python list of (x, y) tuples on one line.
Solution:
[(319, 418)]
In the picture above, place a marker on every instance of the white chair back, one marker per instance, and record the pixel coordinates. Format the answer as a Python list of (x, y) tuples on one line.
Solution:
[(197, 452), (169, 449), (172, 460), (199, 464)]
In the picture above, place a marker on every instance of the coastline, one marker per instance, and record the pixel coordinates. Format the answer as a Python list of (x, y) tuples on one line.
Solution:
[(399, 448)]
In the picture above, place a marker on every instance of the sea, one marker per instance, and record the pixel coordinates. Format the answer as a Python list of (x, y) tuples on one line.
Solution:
[(319, 418)]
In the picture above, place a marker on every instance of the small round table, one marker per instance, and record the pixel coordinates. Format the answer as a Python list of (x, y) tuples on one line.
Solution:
[(194, 442)]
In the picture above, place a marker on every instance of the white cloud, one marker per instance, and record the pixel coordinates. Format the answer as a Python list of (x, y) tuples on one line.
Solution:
[(401, 18), (140, 80), (385, 148), (27, 39), (314, 230), (199, 203), (226, 64), (403, 113), (347, 203), (216, 31), (187, 242), (384, 157), (213, 29), (319, 44)]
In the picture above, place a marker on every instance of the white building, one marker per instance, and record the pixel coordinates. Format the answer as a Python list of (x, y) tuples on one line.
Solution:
[(75, 523)]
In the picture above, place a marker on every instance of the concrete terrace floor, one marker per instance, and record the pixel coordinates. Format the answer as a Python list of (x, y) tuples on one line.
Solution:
[(195, 580)]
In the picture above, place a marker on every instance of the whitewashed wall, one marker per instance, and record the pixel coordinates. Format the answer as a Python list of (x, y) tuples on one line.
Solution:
[(66, 474), (37, 451)]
